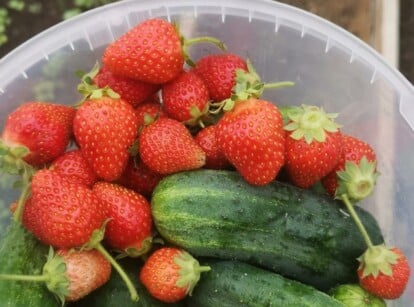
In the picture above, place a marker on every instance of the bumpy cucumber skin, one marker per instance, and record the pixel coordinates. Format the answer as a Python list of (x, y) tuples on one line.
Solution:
[(233, 283), (299, 234), (21, 253)]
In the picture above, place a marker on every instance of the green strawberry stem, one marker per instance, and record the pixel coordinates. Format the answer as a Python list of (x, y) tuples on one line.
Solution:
[(18, 214), (120, 270), (202, 39), (15, 277), (278, 84), (357, 221)]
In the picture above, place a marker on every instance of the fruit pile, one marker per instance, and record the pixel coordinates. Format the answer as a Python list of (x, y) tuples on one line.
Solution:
[(87, 172)]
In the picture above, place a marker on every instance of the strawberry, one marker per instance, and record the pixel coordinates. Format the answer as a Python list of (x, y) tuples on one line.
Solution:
[(251, 137), (138, 177), (218, 71), (43, 128), (130, 226), (75, 166), (62, 213), (105, 128), (132, 91), (166, 146), (186, 98), (150, 109), (313, 145), (384, 271), (353, 149), (206, 138), (170, 274), (152, 51)]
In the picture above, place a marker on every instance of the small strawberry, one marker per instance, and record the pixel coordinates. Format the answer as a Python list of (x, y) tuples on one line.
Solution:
[(186, 98), (353, 150), (63, 214), (138, 177), (251, 137), (70, 274), (384, 271), (170, 274), (151, 109), (153, 51), (166, 146), (132, 91), (313, 145), (206, 138), (218, 71), (129, 229), (75, 166), (43, 128), (105, 128)]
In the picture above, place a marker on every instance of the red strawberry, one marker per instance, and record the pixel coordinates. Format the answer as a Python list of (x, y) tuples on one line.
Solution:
[(166, 146), (170, 274), (86, 270), (138, 177), (352, 150), (252, 139), (384, 272), (186, 98), (313, 145), (218, 72), (130, 226), (105, 128), (132, 91), (151, 108), (62, 213), (43, 128), (206, 138), (75, 166)]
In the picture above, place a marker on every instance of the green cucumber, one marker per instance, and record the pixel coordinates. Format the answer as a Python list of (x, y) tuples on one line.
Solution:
[(233, 283), (21, 253), (299, 234)]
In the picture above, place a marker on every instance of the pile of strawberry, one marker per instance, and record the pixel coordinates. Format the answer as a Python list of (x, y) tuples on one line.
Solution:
[(87, 171)]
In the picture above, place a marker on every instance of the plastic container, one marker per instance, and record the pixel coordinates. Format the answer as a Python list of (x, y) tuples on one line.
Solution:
[(331, 68)]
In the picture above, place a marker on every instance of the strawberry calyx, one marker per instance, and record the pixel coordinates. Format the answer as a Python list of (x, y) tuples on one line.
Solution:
[(136, 251), (190, 271), (357, 180), (310, 123), (197, 116), (377, 259)]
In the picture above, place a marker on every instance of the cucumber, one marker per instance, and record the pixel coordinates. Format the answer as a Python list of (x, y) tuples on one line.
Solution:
[(233, 283), (21, 253), (299, 234)]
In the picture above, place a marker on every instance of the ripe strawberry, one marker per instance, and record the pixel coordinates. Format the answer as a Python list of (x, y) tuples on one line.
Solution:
[(252, 139), (352, 150), (186, 98), (150, 108), (129, 229), (132, 91), (43, 128), (384, 271), (75, 166), (313, 145), (206, 138), (166, 146), (138, 177), (86, 270), (218, 71), (105, 128), (62, 213), (170, 274)]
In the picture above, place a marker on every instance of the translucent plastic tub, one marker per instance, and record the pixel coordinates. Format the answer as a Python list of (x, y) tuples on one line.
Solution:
[(331, 68)]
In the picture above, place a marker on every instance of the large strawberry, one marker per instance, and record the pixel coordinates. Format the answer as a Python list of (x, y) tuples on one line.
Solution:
[(42, 128), (153, 51), (105, 128), (353, 149), (170, 274), (186, 98), (62, 213), (218, 72), (313, 145), (129, 229), (251, 137), (166, 146)]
